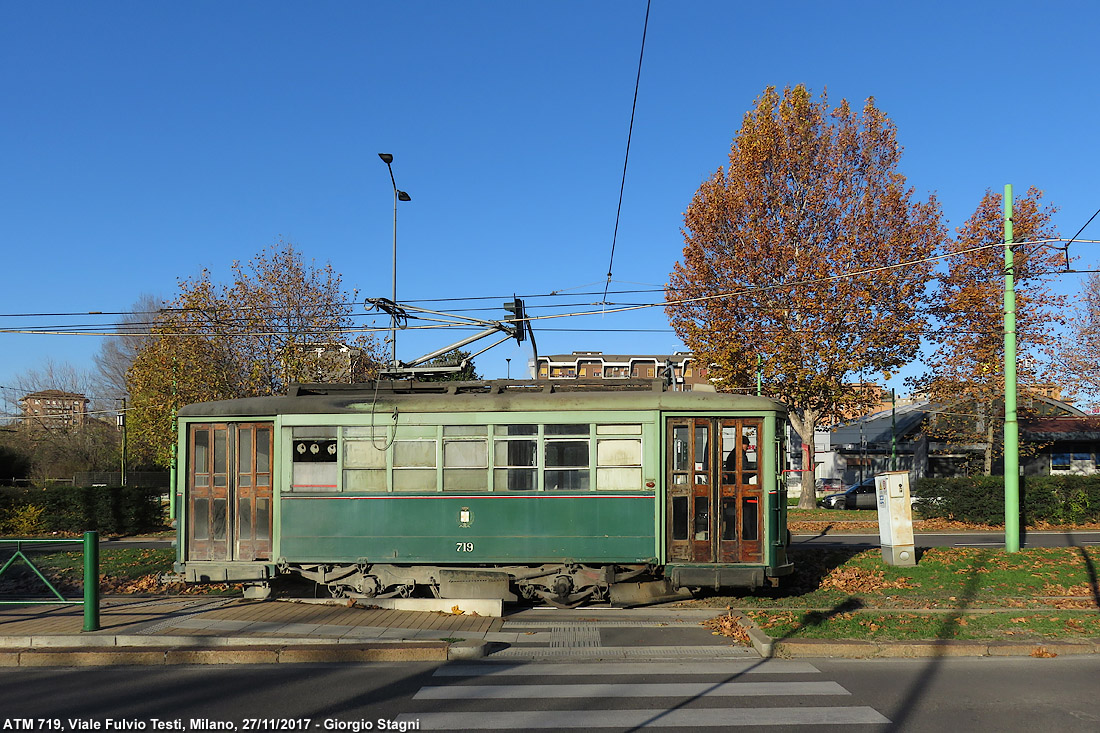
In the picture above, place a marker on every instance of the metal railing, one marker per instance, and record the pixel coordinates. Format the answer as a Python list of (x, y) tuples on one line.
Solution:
[(91, 576)]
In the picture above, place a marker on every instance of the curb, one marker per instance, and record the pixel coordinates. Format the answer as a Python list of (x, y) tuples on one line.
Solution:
[(768, 647), (261, 652)]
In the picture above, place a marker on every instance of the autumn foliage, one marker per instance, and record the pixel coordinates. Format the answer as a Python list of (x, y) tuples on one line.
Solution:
[(809, 251), (1078, 355), (966, 376), (252, 337)]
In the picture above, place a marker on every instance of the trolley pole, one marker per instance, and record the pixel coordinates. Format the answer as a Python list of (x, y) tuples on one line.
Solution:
[(1012, 427)]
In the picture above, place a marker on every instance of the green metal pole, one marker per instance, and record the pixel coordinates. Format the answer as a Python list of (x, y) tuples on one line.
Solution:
[(759, 368), (1012, 427), (91, 581), (123, 441), (893, 430)]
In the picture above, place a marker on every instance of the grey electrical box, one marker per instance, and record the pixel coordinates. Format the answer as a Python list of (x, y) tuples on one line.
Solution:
[(895, 518)]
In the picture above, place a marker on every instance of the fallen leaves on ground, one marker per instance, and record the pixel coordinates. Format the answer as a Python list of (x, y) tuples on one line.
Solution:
[(860, 580), (728, 625)]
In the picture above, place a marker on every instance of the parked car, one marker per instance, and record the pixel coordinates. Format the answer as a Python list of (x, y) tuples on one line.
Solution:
[(857, 496)]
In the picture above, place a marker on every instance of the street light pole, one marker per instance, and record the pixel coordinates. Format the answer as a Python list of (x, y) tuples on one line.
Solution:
[(397, 196)]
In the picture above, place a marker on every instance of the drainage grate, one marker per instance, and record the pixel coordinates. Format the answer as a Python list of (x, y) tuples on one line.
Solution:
[(574, 636)]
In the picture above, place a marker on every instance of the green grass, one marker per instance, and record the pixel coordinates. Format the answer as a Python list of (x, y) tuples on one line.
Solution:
[(952, 593), (118, 569), (130, 564), (877, 626), (831, 515), (944, 578)]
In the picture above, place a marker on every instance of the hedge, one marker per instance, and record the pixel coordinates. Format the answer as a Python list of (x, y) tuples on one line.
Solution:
[(106, 509), (981, 499)]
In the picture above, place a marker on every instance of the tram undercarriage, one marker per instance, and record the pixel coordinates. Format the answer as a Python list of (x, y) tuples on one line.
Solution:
[(563, 585)]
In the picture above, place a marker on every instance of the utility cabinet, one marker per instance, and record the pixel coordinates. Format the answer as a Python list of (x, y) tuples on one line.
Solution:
[(895, 518)]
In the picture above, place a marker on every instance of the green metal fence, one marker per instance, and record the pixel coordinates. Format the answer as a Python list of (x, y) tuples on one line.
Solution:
[(91, 575)]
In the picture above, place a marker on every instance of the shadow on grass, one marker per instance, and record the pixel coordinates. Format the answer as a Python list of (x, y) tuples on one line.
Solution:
[(944, 634), (811, 567), (1090, 568)]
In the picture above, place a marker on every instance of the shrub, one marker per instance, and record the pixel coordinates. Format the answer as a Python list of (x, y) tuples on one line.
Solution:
[(980, 499), (22, 521), (106, 509)]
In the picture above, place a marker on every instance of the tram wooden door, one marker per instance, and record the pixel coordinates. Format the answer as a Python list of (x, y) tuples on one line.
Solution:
[(714, 486), (229, 491)]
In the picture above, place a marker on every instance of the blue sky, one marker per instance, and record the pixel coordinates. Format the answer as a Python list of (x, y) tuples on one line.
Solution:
[(143, 141)]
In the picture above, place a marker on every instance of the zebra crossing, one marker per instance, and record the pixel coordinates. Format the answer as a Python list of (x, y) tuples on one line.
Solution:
[(654, 694)]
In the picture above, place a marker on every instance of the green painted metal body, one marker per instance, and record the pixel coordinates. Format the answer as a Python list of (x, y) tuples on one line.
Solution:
[(513, 528)]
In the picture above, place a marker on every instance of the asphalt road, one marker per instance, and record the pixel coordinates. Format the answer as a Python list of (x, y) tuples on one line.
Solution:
[(933, 695)]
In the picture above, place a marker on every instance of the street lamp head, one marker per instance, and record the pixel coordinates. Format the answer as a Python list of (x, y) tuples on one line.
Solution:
[(402, 196), (386, 158)]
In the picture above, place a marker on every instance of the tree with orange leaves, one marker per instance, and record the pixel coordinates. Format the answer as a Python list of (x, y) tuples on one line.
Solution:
[(967, 366), (270, 327), (1078, 353), (810, 251)]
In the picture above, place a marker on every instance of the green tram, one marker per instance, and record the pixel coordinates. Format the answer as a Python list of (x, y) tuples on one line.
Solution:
[(566, 493)]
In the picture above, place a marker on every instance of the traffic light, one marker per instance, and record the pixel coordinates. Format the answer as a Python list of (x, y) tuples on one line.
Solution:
[(519, 318)]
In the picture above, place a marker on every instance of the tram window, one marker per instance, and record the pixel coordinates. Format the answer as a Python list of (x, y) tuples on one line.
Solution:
[(702, 518), (681, 449), (514, 479), (702, 452), (313, 477), (263, 520), (679, 517), (748, 446), (315, 431), (202, 456), (729, 518), (619, 452), (516, 430), (515, 453), (201, 519), (465, 479), (618, 430), (621, 479), (513, 459), (244, 518), (459, 431), (567, 480), (414, 479), (566, 430), (217, 527), (263, 455), (465, 454), (314, 451), (729, 454), (373, 479), (566, 453), (364, 454), (750, 507), (619, 464), (220, 457), (244, 452), (414, 454), (566, 465)]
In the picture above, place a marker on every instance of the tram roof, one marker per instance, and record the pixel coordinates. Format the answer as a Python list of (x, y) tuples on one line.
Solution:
[(481, 396)]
